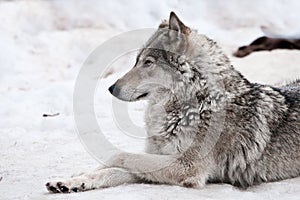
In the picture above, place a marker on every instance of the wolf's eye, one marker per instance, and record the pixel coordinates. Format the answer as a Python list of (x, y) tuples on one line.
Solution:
[(148, 62)]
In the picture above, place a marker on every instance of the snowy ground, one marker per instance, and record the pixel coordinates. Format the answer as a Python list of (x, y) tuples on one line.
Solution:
[(43, 46)]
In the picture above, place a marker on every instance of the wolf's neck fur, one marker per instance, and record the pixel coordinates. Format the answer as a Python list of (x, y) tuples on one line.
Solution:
[(206, 76), (206, 81)]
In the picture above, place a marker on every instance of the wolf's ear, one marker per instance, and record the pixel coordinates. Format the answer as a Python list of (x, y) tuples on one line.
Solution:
[(176, 25)]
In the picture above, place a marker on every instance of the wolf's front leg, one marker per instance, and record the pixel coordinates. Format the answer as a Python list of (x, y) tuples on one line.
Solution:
[(100, 178), (165, 169)]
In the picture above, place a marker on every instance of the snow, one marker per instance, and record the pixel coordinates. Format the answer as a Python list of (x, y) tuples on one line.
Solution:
[(43, 46)]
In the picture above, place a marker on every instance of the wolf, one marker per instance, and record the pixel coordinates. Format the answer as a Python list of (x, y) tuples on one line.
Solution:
[(206, 122)]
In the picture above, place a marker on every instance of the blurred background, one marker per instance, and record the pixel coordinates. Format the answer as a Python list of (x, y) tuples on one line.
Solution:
[(45, 42), (52, 36)]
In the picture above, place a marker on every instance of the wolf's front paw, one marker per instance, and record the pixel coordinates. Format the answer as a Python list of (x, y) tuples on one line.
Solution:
[(74, 185)]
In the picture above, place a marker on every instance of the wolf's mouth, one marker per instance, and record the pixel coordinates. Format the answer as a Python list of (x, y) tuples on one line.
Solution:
[(142, 96)]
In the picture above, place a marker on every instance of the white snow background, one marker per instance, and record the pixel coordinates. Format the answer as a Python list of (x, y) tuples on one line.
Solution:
[(43, 46)]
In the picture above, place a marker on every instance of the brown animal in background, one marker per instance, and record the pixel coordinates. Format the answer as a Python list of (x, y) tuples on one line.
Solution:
[(267, 43)]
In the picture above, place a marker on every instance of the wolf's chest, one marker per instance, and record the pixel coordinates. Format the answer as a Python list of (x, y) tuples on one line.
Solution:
[(169, 132)]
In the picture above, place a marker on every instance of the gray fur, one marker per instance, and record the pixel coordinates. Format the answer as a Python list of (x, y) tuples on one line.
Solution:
[(204, 118)]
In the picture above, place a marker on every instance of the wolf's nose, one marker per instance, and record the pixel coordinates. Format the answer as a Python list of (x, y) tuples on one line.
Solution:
[(111, 88)]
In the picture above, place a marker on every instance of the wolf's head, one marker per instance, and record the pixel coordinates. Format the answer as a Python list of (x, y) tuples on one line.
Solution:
[(174, 58)]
